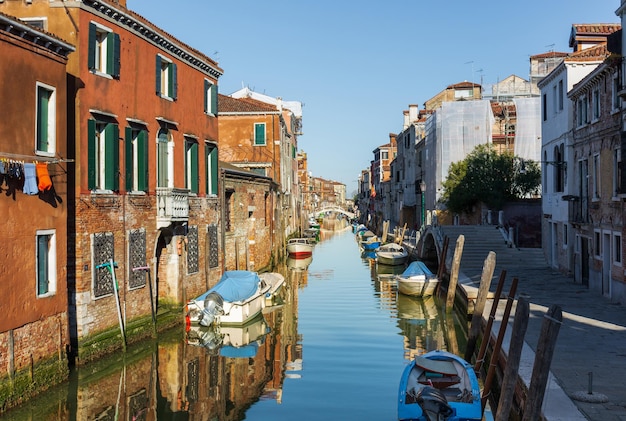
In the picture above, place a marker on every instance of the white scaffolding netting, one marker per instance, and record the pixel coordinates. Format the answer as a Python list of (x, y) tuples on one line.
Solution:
[(460, 127), (528, 128)]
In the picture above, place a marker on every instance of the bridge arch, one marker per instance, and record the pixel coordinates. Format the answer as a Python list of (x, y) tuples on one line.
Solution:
[(336, 209)]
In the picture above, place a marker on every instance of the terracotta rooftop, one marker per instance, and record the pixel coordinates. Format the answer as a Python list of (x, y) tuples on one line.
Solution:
[(550, 54), (599, 52), (464, 84), (595, 28), (227, 104)]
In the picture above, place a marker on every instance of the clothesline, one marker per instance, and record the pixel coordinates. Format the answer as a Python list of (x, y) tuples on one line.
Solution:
[(49, 160)]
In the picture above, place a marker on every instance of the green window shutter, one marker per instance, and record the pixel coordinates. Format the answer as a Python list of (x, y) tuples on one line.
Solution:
[(111, 149), (214, 170), (42, 118), (194, 167), (259, 134), (173, 88), (91, 154), (214, 99), (128, 157), (115, 69), (158, 75), (91, 50), (116, 157), (42, 264), (206, 96), (142, 160)]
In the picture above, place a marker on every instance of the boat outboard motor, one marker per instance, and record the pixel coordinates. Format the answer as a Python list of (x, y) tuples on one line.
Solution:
[(211, 339), (434, 404), (213, 307)]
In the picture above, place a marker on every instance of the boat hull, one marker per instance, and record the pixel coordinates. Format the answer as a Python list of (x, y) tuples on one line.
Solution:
[(391, 254), (417, 280), (440, 380), (299, 248)]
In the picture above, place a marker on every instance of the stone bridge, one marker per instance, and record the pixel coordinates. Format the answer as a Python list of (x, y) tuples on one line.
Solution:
[(336, 209)]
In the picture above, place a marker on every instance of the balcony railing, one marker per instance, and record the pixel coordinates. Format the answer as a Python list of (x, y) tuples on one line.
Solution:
[(172, 205)]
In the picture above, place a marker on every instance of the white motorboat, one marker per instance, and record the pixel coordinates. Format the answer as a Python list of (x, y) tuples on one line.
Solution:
[(391, 254), (235, 299), (417, 280), (300, 247)]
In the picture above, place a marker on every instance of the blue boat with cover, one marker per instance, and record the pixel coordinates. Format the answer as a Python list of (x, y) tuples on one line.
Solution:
[(439, 386)]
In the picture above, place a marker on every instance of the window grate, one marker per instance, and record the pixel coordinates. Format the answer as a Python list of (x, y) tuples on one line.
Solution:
[(103, 251), (137, 255), (213, 257), (192, 249)]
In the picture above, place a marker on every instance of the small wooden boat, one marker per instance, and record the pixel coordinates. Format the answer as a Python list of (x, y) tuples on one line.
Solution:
[(300, 247), (439, 386), (370, 243), (391, 254), (236, 298), (417, 280), (312, 234)]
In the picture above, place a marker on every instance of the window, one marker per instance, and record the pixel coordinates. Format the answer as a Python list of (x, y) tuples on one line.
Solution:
[(597, 244), (165, 165), (596, 176), (617, 171), (39, 23), (136, 141), (615, 99), (595, 104), (104, 50), (617, 248), (544, 106), (560, 95), (102, 155), (565, 236), (166, 79), (210, 98), (581, 109), (259, 134), (384, 154), (211, 168), (554, 99), (46, 262), (191, 164), (228, 207), (463, 93), (45, 137), (559, 169)]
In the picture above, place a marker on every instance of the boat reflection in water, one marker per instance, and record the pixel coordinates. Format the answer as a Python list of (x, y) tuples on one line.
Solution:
[(230, 341), (420, 321), (299, 264)]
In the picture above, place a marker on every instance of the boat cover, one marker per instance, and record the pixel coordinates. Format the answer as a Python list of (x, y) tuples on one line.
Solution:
[(236, 285), (246, 351), (417, 268)]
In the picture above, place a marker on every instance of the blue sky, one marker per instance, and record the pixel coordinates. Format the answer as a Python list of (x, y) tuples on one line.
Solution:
[(356, 66)]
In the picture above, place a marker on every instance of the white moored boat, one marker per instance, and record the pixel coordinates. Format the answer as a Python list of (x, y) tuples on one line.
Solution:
[(300, 247), (417, 280), (236, 298), (391, 254)]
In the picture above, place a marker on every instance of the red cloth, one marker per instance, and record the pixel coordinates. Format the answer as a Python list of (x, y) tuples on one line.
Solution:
[(45, 183)]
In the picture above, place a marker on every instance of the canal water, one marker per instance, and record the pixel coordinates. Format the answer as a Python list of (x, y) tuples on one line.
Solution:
[(333, 347)]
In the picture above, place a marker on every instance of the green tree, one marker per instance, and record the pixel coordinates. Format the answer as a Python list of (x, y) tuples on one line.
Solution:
[(486, 176)]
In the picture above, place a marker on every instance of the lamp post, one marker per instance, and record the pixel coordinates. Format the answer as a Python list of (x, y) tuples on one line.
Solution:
[(423, 190)]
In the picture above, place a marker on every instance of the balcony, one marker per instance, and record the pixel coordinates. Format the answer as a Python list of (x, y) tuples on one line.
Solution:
[(172, 206)]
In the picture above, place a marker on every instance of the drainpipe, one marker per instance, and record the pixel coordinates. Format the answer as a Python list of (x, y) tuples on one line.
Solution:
[(222, 215)]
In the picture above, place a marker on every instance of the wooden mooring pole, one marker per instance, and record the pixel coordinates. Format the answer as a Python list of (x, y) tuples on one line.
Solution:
[(510, 376), (543, 359), (492, 316), (454, 272), (495, 354), (479, 306)]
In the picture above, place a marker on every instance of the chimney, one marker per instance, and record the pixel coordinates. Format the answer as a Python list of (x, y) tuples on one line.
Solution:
[(406, 120), (412, 113)]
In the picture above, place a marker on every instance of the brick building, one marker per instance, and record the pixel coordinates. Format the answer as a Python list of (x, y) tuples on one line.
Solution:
[(144, 191)]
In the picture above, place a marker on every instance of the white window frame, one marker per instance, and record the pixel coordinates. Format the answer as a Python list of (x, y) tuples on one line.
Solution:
[(616, 248), (561, 94), (100, 163), (582, 110), (52, 263), (101, 50), (595, 104), (596, 177), (209, 95), (166, 76), (51, 129)]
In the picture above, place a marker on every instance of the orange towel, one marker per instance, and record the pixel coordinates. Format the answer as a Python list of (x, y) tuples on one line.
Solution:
[(45, 183)]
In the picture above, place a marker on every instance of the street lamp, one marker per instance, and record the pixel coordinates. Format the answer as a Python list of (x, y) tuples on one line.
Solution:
[(423, 190)]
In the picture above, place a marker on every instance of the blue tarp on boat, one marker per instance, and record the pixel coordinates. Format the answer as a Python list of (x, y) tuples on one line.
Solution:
[(417, 268), (247, 351), (235, 285)]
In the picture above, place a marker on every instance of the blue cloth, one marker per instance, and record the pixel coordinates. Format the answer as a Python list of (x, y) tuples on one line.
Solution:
[(30, 179), (235, 285)]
